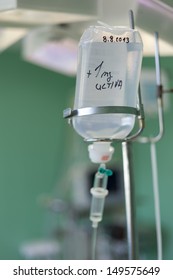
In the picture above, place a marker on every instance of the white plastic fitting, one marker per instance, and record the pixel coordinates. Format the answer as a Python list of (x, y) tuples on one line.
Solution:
[(97, 205), (100, 152)]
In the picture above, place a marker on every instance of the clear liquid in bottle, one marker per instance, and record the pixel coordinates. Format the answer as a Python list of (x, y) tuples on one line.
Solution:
[(109, 64)]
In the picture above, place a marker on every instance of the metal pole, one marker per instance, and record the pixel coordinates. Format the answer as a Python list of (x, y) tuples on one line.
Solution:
[(129, 188), (129, 201)]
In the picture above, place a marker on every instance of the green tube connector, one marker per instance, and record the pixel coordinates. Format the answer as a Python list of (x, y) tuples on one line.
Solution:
[(108, 172), (99, 192)]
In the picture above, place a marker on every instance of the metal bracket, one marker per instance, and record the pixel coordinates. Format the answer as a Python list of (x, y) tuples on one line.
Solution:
[(69, 113)]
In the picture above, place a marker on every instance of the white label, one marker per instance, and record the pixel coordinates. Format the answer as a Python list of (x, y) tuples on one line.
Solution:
[(103, 72)]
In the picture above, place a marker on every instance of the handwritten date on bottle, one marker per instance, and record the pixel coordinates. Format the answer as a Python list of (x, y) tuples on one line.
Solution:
[(113, 39)]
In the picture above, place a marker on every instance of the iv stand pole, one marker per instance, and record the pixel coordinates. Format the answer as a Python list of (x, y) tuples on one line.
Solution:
[(129, 190), (129, 201)]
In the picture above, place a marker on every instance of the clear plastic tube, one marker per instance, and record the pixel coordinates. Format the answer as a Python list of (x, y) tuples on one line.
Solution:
[(99, 192), (94, 241)]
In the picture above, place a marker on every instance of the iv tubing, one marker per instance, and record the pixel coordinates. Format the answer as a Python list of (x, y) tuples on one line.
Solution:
[(156, 199), (99, 192), (94, 241)]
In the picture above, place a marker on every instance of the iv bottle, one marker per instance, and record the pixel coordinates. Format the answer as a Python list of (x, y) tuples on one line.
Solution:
[(109, 64)]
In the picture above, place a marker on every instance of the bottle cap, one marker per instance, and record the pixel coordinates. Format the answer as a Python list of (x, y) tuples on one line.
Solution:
[(100, 152)]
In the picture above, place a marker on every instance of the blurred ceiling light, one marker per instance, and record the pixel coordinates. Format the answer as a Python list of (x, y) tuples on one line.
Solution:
[(21, 15), (41, 12), (52, 48), (9, 36), (59, 56), (29, 18), (7, 4)]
